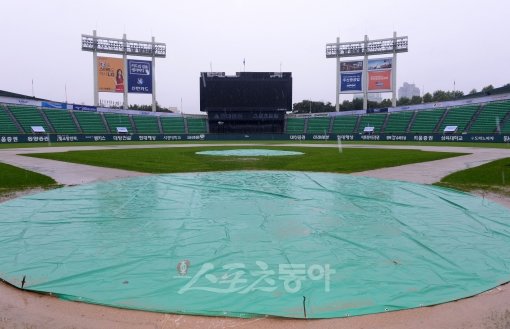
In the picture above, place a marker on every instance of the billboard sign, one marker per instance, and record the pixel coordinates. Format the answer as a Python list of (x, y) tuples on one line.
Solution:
[(380, 64), (110, 74), (351, 66), (54, 105), (351, 82), (139, 76), (379, 81), (84, 108)]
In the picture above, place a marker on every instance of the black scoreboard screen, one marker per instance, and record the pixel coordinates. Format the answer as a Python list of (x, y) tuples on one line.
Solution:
[(246, 91)]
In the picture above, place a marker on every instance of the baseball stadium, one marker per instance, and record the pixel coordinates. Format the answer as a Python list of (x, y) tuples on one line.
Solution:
[(248, 213)]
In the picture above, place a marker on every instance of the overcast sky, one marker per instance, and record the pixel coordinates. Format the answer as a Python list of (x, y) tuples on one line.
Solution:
[(462, 41)]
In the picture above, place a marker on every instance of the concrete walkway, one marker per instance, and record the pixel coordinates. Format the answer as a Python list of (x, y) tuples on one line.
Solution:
[(432, 171)]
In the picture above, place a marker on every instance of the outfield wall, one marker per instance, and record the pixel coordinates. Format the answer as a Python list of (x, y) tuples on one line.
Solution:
[(67, 138)]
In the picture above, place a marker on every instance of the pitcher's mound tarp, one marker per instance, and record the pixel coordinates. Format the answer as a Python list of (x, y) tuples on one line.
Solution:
[(250, 152), (256, 243)]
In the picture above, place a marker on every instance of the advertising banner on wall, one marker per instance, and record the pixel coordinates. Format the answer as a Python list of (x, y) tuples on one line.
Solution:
[(139, 76), (54, 105), (110, 74), (380, 64), (84, 108), (379, 81), (351, 82), (351, 66)]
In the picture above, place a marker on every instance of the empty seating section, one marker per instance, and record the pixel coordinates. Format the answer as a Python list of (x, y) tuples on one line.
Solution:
[(196, 126), (61, 121), (295, 126), (27, 117), (318, 125), (490, 117), (372, 120), (460, 117), (344, 124), (146, 124), (90, 122), (398, 122), (118, 120), (426, 121), (172, 125), (6, 124)]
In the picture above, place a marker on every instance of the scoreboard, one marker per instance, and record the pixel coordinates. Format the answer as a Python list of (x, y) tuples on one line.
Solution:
[(261, 91)]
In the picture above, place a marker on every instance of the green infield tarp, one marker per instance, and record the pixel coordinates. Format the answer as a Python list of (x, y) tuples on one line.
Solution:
[(255, 243), (249, 153)]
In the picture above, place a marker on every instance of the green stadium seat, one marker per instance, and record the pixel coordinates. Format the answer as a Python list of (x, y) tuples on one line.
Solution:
[(146, 124), (295, 126), (426, 121), (372, 120), (115, 120), (29, 116), (6, 124), (318, 125), (460, 117), (61, 121), (490, 117), (344, 124), (197, 126), (398, 122), (173, 125), (90, 122)]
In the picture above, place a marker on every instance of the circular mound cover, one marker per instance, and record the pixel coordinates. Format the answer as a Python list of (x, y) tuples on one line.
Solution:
[(250, 152), (255, 243)]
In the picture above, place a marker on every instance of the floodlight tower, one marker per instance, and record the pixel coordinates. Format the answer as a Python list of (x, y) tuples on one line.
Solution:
[(125, 48), (367, 48)]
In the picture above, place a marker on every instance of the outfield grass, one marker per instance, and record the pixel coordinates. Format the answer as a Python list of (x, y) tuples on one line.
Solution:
[(493, 176), (14, 178), (184, 159)]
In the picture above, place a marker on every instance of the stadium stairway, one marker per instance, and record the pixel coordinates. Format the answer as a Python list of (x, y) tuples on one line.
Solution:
[(160, 126), (411, 121), (76, 123), (185, 124), (474, 118), (505, 125), (305, 126), (330, 128), (132, 122), (46, 120), (441, 120)]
